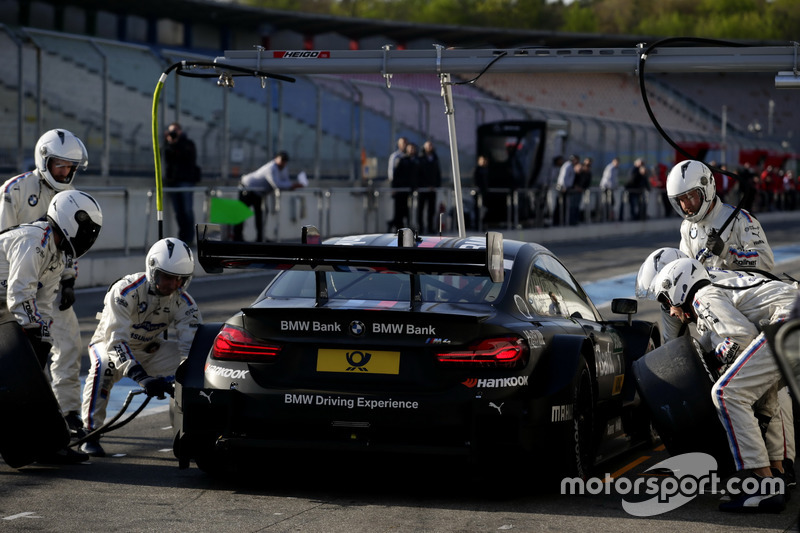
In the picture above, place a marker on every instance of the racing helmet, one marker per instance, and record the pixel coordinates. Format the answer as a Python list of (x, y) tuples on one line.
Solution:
[(77, 217), (170, 256), (652, 266), (60, 144), (678, 281), (689, 176)]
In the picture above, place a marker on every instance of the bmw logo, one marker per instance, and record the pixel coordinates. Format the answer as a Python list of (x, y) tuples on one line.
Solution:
[(33, 200), (357, 328)]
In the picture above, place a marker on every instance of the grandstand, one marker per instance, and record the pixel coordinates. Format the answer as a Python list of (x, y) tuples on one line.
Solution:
[(102, 88)]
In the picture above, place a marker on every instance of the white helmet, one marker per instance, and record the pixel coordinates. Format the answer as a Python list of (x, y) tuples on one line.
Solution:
[(77, 217), (652, 266), (688, 176), (677, 282), (171, 256), (60, 144)]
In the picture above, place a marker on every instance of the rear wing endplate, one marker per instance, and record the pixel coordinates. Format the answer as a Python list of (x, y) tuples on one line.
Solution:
[(216, 255)]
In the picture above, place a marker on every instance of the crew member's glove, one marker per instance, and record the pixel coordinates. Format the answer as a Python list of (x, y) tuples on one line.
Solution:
[(715, 244), (152, 386), (67, 294)]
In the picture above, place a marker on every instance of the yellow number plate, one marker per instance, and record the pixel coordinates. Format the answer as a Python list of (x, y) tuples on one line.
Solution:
[(358, 361)]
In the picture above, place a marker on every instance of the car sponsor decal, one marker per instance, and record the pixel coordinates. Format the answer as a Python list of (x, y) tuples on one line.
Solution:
[(221, 371), (535, 338), (561, 413), (310, 325), (358, 361), (301, 54), (399, 329), (607, 362), (496, 383), (350, 403)]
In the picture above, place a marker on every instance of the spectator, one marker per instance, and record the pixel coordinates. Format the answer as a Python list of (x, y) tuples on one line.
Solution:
[(566, 211), (430, 178), (255, 187), (182, 171), (608, 184), (394, 157), (480, 179), (406, 179), (636, 188)]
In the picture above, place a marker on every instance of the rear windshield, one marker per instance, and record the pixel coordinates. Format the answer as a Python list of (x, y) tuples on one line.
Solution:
[(392, 287)]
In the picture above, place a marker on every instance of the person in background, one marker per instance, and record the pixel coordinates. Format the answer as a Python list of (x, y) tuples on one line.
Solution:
[(130, 338), (636, 188), (609, 182), (180, 155), (430, 178), (59, 155), (405, 181), (394, 157), (255, 187)]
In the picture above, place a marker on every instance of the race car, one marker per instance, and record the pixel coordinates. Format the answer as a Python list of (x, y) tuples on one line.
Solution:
[(475, 348)]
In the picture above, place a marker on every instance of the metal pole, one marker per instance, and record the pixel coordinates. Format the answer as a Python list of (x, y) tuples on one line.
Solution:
[(449, 111)]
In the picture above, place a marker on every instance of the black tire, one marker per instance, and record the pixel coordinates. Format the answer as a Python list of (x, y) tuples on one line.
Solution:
[(674, 383), (34, 424), (576, 446)]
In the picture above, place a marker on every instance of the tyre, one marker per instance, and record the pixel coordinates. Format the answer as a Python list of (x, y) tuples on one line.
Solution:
[(575, 445), (674, 383), (28, 408)]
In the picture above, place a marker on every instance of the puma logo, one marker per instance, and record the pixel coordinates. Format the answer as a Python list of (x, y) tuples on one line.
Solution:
[(207, 395), (498, 407)]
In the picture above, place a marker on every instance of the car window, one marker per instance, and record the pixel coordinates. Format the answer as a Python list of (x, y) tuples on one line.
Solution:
[(388, 287), (552, 291)]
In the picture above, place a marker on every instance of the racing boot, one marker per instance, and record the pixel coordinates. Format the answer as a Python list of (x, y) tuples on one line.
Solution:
[(763, 500), (93, 448), (64, 456)]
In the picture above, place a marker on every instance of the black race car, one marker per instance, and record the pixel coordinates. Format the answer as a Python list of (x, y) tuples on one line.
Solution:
[(466, 347)]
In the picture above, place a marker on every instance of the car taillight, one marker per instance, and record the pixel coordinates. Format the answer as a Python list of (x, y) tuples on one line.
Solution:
[(502, 352), (234, 344)]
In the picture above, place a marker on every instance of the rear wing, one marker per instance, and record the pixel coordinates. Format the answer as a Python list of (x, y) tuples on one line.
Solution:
[(215, 255)]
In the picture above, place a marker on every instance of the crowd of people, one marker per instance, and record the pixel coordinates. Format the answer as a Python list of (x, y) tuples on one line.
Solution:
[(573, 194), (412, 171)]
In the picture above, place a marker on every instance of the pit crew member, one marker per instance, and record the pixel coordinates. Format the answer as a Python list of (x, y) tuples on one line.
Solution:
[(732, 311), (32, 259), (59, 155), (130, 339)]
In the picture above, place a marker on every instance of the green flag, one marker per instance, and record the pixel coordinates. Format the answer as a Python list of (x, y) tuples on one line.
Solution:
[(228, 211)]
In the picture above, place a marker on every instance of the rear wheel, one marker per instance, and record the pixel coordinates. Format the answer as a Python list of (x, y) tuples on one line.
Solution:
[(574, 448)]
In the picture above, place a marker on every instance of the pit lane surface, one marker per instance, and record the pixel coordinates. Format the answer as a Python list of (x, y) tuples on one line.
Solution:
[(139, 487)]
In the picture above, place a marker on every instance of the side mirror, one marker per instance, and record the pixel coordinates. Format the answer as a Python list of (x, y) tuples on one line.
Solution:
[(625, 306)]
